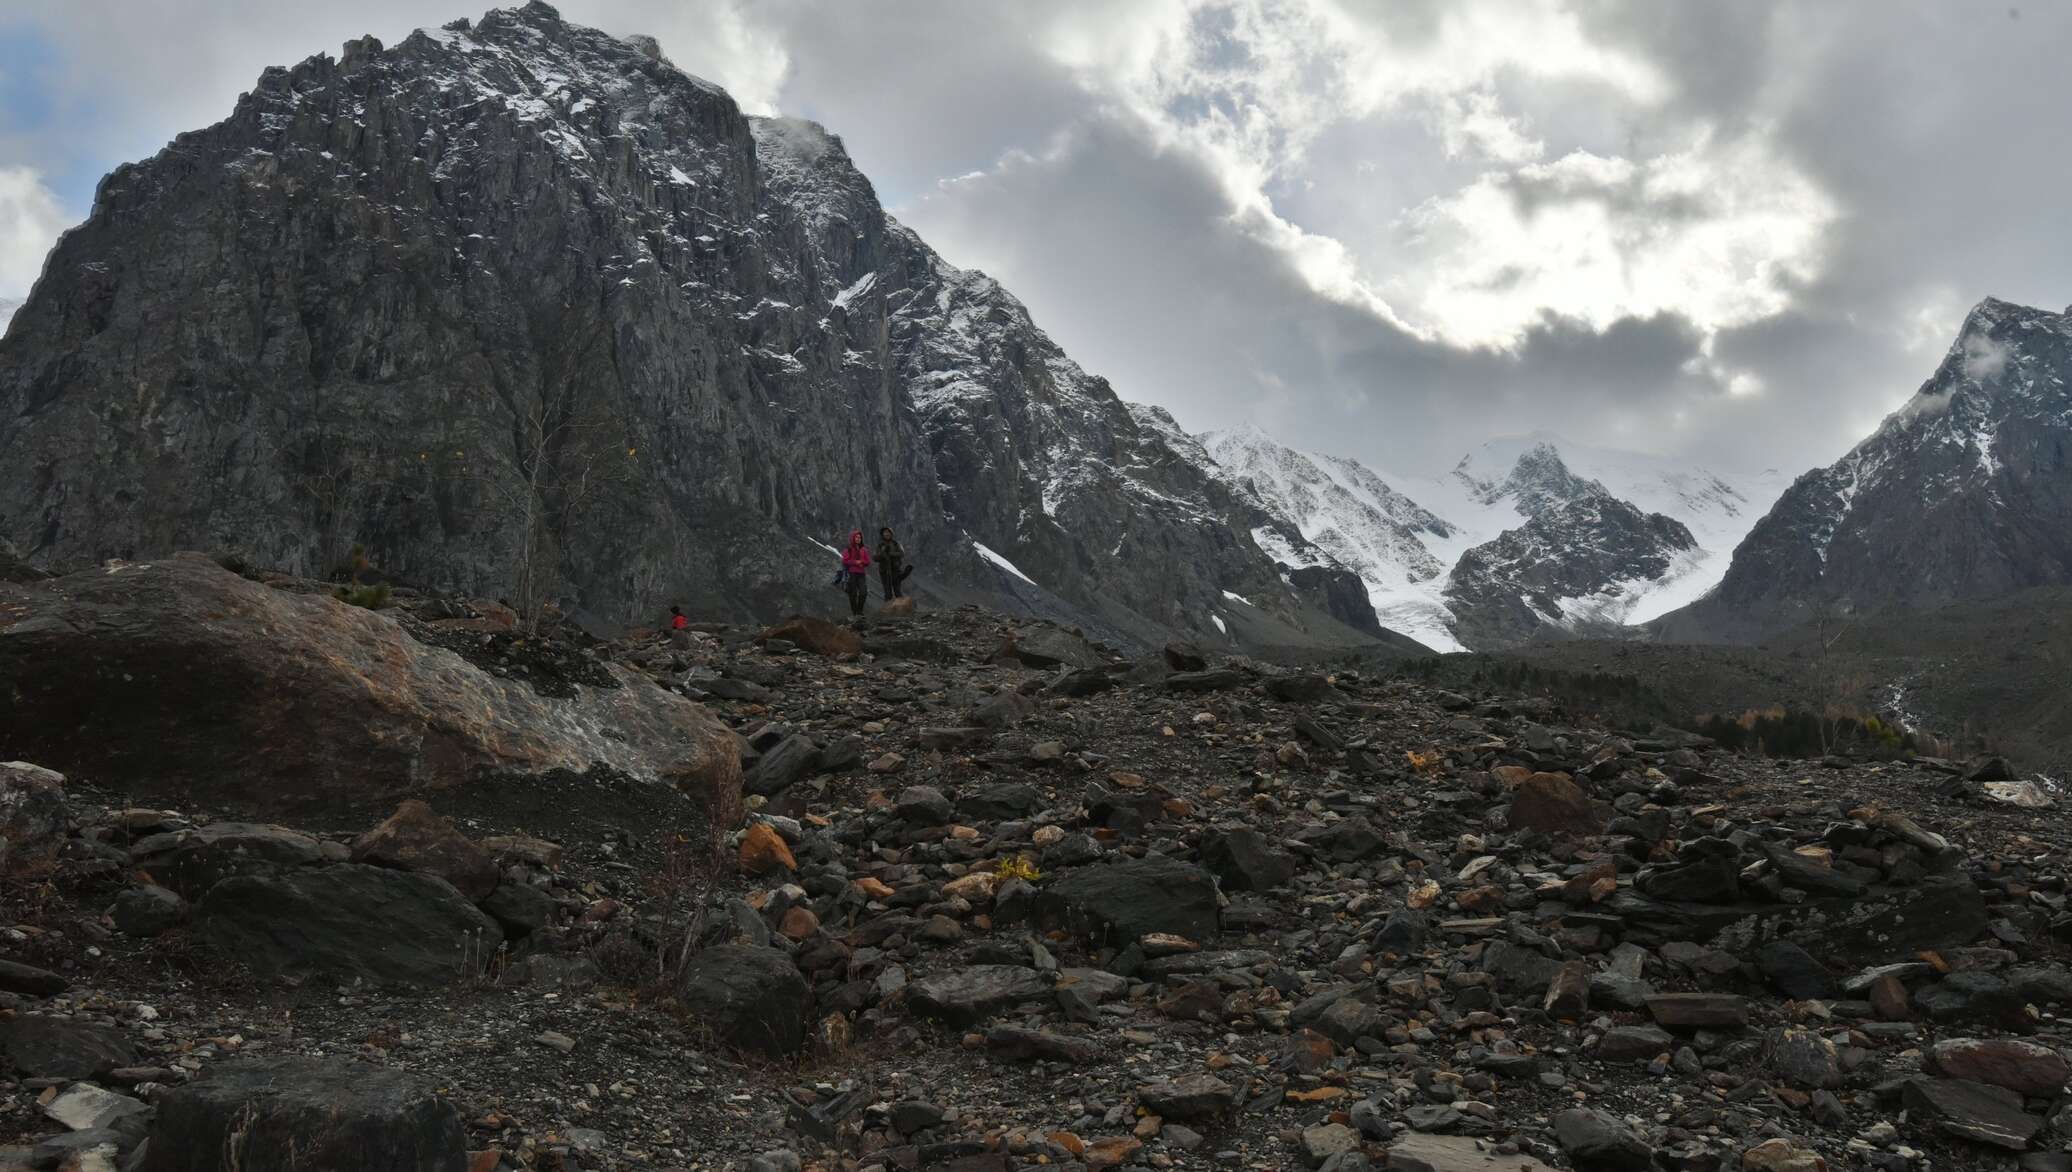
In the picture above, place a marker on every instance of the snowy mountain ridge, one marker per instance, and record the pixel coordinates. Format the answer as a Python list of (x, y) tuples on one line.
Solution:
[(1526, 535)]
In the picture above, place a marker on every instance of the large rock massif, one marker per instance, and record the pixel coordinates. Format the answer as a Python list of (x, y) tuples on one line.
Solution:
[(180, 678), (1962, 494), (1007, 900), (520, 309)]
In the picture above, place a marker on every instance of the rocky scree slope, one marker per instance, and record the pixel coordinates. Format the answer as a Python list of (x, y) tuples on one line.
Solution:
[(1018, 902), (1963, 494), (519, 308)]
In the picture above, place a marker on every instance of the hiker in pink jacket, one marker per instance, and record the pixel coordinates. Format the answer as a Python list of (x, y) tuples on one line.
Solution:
[(856, 563)]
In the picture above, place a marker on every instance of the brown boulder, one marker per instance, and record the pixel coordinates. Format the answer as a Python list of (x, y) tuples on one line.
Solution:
[(415, 839), (816, 635), (1553, 804), (181, 676), (763, 849), (2021, 1066)]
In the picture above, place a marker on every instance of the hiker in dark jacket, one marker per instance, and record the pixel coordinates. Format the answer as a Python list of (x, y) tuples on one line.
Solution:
[(856, 564), (892, 564)]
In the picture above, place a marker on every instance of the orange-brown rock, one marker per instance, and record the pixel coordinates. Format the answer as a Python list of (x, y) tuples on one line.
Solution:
[(763, 849)]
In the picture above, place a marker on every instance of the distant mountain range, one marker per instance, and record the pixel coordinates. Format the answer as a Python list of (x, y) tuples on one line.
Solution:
[(1527, 537)]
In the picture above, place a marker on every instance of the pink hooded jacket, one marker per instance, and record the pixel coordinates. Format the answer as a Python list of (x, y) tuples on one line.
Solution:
[(857, 558)]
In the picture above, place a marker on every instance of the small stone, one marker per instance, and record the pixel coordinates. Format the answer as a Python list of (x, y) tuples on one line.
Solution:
[(561, 1042), (1699, 1010), (1326, 1140)]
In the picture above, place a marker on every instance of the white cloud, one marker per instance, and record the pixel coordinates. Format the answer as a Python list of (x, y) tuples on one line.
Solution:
[(30, 220), (1718, 233)]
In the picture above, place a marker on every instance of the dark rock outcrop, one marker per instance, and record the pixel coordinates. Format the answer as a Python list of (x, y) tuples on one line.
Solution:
[(350, 921), (276, 1114)]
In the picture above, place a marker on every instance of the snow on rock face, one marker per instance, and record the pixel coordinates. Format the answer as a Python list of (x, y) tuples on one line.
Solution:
[(1515, 542), (1962, 493)]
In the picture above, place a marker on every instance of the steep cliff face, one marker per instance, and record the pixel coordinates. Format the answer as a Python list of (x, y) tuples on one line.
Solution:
[(1962, 494), (520, 308)]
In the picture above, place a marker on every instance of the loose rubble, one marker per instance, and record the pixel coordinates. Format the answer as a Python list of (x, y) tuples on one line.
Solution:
[(1002, 898)]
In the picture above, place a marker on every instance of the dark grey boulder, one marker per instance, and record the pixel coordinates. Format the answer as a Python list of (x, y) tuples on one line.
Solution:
[(751, 998), (1595, 1140), (348, 921), (293, 1114), (36, 1046), (1794, 972), (781, 768), (1246, 860), (520, 909), (1119, 902), (147, 910)]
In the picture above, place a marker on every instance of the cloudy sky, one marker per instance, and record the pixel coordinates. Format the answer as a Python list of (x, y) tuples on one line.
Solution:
[(1734, 231)]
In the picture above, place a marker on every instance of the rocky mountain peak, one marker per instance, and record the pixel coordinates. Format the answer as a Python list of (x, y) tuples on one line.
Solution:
[(517, 306), (1964, 492)]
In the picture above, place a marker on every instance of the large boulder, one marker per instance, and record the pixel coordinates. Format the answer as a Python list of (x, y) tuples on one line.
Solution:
[(1122, 901), (290, 1114), (181, 677), (32, 810), (1898, 924), (192, 861), (415, 839), (751, 997), (36, 1046), (350, 921)]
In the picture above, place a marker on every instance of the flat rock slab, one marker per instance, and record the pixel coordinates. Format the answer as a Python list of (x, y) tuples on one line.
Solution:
[(387, 926), (971, 995), (1973, 1111), (2023, 1067), (283, 1114), (55, 1047), (1455, 1153)]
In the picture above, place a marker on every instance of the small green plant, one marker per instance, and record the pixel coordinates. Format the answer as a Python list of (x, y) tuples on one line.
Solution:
[(1017, 867), (372, 597)]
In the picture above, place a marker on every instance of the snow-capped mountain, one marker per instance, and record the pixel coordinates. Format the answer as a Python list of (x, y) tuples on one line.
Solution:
[(1526, 534), (1963, 493)]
